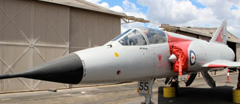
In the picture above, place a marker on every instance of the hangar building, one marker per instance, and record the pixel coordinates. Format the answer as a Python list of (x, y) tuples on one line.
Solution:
[(36, 31)]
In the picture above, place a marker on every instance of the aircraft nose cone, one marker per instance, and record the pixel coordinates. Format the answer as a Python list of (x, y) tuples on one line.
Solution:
[(173, 58), (67, 69)]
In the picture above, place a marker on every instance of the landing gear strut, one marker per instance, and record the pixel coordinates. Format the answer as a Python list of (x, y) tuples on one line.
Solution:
[(145, 89), (174, 83)]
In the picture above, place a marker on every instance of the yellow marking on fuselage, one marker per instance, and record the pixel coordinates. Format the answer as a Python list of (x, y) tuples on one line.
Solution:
[(116, 54)]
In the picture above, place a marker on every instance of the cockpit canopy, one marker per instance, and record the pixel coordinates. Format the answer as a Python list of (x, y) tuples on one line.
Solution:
[(141, 36)]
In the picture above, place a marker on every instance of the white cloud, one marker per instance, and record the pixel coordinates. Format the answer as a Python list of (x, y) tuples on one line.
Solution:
[(223, 10), (183, 12), (132, 10), (170, 11), (117, 8), (220, 8), (94, 1), (104, 4), (128, 8)]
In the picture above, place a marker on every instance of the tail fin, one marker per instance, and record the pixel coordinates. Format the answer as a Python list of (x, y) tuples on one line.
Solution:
[(220, 36)]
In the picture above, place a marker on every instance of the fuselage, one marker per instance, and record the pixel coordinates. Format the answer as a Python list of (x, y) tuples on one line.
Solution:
[(139, 55)]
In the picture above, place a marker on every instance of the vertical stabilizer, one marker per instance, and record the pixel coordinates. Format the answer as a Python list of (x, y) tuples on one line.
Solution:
[(220, 36)]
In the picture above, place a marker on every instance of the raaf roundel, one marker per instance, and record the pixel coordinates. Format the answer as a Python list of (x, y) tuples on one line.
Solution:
[(192, 57)]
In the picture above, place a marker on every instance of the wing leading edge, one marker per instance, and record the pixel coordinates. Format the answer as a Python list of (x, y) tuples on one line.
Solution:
[(222, 63)]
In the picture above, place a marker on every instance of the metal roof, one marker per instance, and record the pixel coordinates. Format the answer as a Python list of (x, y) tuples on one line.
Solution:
[(131, 19), (203, 31), (209, 32), (82, 4)]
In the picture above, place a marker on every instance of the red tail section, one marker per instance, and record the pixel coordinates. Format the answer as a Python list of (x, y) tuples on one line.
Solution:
[(220, 36)]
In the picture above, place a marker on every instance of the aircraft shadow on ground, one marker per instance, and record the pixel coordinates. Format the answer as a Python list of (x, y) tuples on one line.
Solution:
[(188, 95)]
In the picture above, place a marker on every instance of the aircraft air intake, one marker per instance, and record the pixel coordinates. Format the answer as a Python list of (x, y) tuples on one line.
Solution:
[(67, 69), (179, 63)]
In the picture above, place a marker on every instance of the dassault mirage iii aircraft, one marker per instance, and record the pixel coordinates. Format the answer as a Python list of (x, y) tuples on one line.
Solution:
[(139, 54)]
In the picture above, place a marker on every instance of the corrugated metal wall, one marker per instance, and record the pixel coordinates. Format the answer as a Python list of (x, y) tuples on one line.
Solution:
[(33, 32), (89, 29)]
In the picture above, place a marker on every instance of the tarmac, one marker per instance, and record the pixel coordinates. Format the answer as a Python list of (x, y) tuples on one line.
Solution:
[(126, 93)]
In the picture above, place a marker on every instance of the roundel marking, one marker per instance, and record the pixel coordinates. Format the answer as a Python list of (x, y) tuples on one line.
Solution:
[(192, 57)]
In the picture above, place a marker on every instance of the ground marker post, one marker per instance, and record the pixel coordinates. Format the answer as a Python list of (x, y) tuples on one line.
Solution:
[(228, 76)]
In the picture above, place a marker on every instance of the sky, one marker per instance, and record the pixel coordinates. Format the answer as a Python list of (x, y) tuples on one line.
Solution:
[(197, 13)]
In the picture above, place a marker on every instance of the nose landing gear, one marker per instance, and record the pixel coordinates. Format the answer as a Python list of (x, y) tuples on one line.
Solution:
[(145, 89)]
